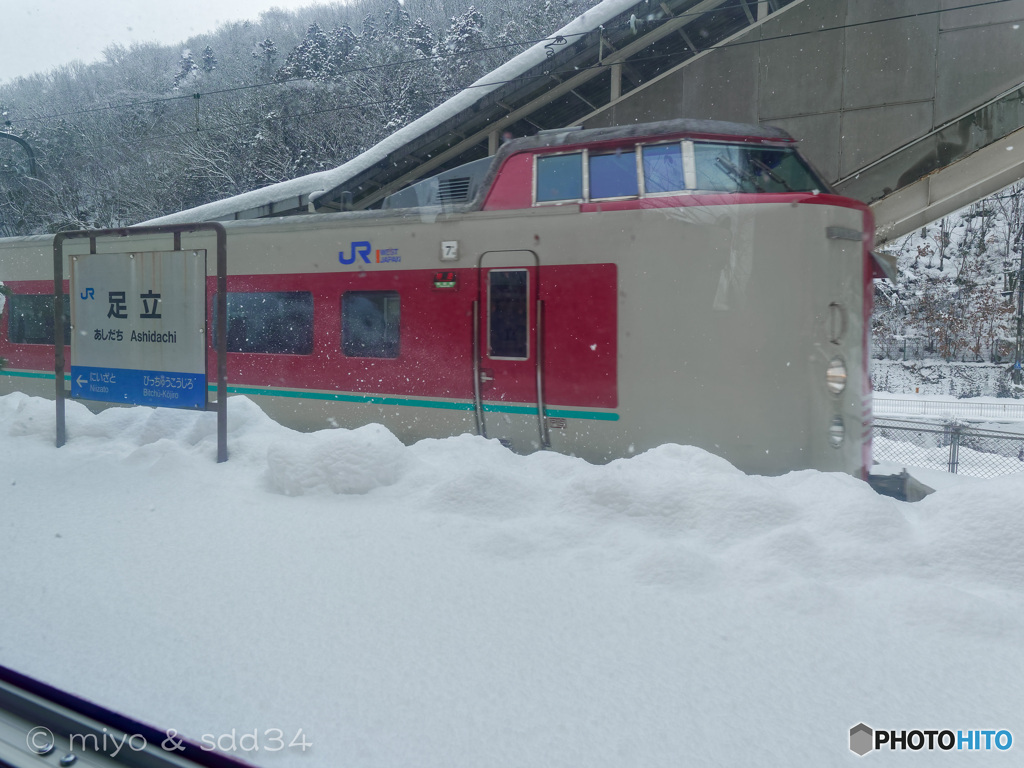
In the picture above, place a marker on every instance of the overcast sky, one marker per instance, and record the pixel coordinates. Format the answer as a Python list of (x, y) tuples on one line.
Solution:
[(38, 35)]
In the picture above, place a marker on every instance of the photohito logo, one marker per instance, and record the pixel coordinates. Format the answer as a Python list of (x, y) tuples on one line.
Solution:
[(864, 739)]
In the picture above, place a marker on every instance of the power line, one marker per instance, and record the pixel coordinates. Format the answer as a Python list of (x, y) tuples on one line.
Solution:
[(523, 79), (354, 70), (421, 61)]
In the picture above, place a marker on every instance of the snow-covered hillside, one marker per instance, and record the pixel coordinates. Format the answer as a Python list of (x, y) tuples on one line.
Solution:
[(955, 300), (452, 604)]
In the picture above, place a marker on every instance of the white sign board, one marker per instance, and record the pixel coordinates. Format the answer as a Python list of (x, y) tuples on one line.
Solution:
[(138, 328)]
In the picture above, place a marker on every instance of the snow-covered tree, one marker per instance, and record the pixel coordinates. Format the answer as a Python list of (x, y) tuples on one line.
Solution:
[(186, 68), (461, 45), (311, 59), (209, 60), (265, 56)]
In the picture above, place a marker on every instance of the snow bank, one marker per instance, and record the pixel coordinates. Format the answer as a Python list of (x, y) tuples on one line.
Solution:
[(452, 604)]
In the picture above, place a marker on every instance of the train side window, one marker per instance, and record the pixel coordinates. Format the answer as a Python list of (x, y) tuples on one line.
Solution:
[(560, 177), (663, 168), (30, 319), (269, 322), (507, 312), (613, 175), (370, 323)]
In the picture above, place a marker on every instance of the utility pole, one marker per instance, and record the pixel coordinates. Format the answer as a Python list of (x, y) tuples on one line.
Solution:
[(1017, 374)]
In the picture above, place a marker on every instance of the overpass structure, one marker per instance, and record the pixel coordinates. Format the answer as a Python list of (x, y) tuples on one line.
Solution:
[(913, 106)]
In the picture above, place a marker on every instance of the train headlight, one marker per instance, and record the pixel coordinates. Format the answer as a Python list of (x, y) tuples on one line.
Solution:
[(835, 376), (836, 432)]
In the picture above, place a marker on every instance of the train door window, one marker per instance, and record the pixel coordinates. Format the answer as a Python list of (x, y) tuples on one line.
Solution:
[(30, 319), (507, 314), (370, 323), (559, 177), (279, 322), (663, 168), (613, 175)]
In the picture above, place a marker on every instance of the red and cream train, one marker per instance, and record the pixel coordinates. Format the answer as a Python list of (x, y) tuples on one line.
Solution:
[(597, 292)]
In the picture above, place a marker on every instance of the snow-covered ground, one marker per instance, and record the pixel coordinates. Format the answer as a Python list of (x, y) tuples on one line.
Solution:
[(452, 604)]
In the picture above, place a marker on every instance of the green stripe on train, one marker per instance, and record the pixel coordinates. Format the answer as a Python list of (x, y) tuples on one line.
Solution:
[(441, 404), (32, 375), (444, 405)]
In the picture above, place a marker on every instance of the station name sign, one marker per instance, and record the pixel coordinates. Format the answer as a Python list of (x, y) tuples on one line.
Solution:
[(138, 328)]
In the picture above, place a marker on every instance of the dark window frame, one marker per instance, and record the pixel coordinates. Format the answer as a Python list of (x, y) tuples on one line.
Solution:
[(46, 300), (388, 345), (238, 330), (493, 328), (621, 153), (540, 159), (680, 146)]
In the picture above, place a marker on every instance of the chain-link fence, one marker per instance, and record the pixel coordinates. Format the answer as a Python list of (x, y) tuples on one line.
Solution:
[(883, 404), (950, 447)]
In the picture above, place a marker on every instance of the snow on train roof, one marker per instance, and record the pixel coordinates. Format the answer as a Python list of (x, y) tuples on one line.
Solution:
[(695, 128), (313, 186)]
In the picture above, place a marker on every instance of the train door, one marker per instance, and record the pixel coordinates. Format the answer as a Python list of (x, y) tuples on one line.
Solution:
[(508, 350)]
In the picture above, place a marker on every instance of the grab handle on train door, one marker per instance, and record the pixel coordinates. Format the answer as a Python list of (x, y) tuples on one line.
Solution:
[(485, 376), (478, 410)]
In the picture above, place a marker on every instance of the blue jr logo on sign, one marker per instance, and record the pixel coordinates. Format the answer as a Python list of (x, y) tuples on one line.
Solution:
[(360, 248)]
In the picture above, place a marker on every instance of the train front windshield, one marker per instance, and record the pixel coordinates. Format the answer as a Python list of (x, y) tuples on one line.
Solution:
[(732, 168)]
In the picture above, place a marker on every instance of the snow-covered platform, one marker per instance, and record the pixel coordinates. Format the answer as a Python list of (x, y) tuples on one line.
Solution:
[(453, 604)]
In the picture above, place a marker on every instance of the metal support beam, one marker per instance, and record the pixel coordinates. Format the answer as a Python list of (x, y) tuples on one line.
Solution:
[(682, 32), (579, 96), (746, 10), (689, 43)]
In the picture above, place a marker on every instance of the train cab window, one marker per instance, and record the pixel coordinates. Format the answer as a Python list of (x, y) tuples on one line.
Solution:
[(663, 168), (721, 168), (30, 319), (560, 177), (731, 168), (507, 313), (782, 170), (613, 175), (370, 323), (269, 322)]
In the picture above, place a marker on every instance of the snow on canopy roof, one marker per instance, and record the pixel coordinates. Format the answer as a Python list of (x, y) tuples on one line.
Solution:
[(298, 192)]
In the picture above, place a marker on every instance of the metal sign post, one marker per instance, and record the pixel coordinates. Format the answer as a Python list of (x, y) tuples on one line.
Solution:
[(139, 324)]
